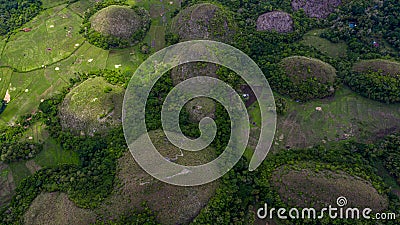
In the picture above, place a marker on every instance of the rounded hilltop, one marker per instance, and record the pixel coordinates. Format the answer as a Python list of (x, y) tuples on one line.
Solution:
[(204, 21), (278, 21), (306, 78), (92, 107), (117, 21), (118, 26)]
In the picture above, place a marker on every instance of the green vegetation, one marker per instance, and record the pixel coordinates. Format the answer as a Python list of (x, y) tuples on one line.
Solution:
[(19, 172), (92, 107), (80, 7), (53, 155), (136, 186), (346, 156), (378, 80), (53, 37), (335, 50), (328, 136), (15, 147), (305, 78), (346, 116), (388, 151), (16, 13)]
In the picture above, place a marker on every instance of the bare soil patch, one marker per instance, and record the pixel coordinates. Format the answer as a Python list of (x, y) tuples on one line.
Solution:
[(316, 8), (299, 68), (278, 21), (203, 21), (92, 107)]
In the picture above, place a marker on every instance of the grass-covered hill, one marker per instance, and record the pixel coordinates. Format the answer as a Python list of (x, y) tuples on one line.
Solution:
[(92, 107), (64, 65), (305, 78), (201, 21), (113, 24), (117, 21), (204, 21), (376, 79)]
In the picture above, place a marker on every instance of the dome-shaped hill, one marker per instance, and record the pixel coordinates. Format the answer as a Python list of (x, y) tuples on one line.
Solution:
[(306, 187), (117, 21), (376, 79), (201, 21), (299, 68), (138, 186), (316, 8), (204, 21), (386, 67), (278, 21), (305, 78), (56, 208), (93, 106)]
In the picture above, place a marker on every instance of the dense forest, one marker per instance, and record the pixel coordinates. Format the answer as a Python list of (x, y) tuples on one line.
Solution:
[(16, 13), (365, 26)]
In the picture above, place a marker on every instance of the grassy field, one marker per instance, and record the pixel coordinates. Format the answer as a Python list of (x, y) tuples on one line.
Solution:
[(65, 58), (125, 59), (53, 37), (156, 37), (26, 90), (5, 77), (19, 171), (160, 13), (52, 3), (335, 50), (2, 45), (81, 6), (347, 115), (53, 155)]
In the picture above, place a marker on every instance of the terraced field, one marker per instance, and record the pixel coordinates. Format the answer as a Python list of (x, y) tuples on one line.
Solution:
[(41, 72), (53, 37)]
